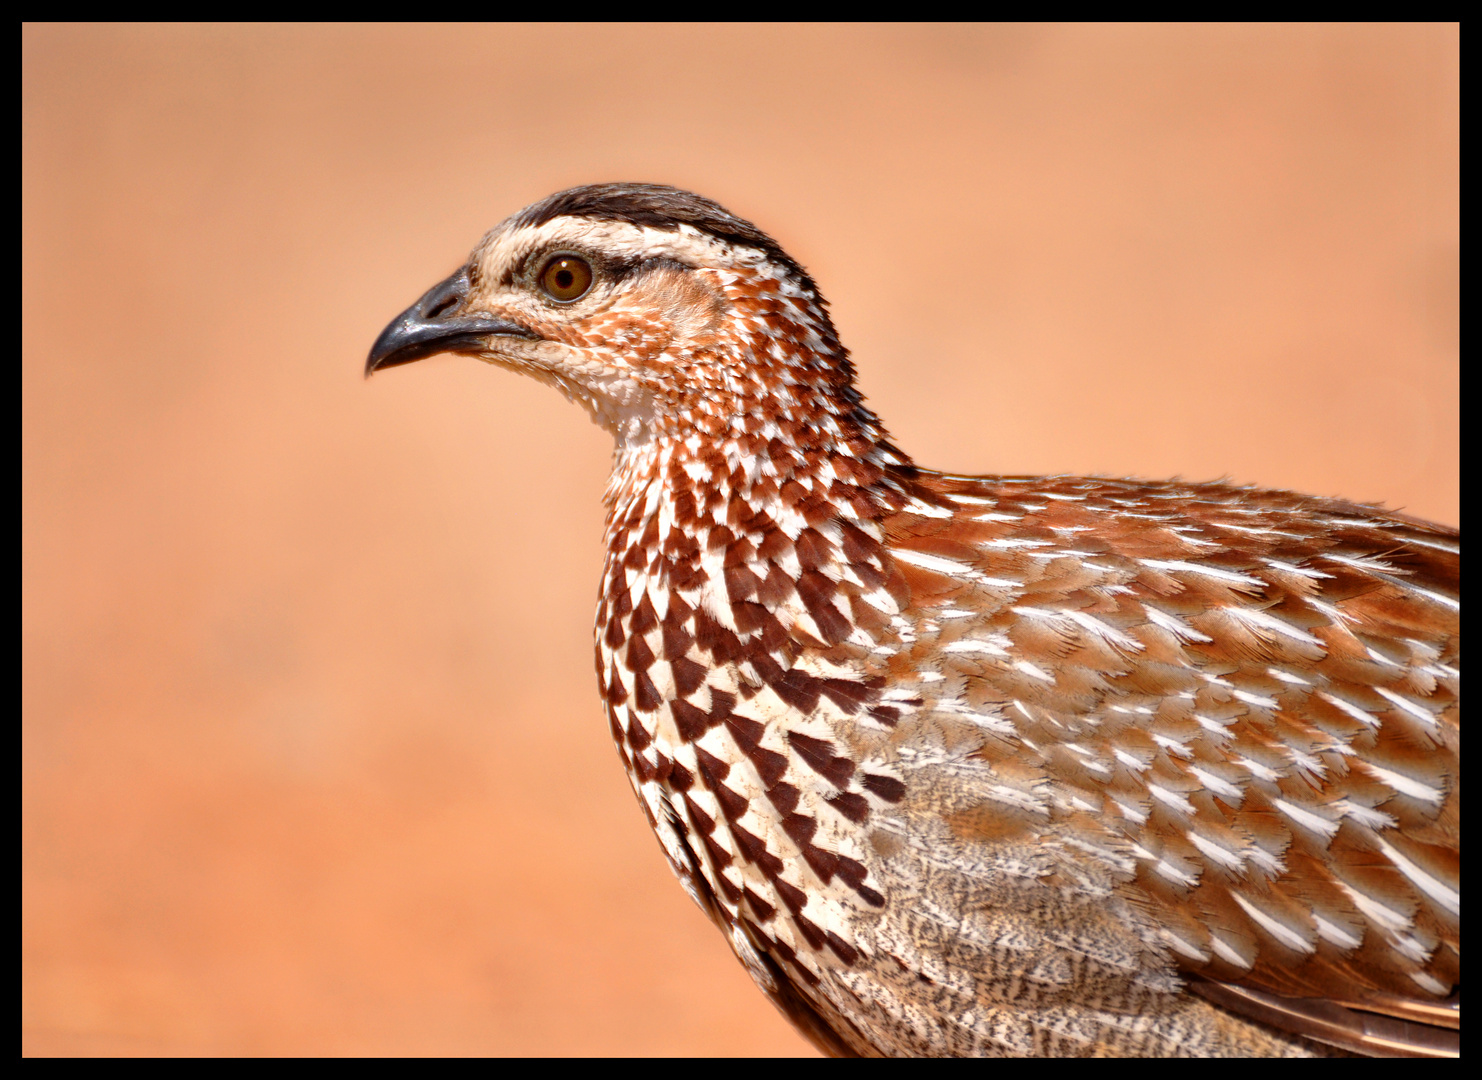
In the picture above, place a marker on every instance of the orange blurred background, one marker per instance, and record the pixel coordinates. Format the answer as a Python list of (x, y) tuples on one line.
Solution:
[(313, 761)]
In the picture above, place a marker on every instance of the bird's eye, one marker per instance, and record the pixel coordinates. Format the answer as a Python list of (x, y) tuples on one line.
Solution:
[(566, 277)]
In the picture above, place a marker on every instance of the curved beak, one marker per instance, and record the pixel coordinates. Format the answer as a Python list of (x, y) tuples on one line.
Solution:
[(433, 325)]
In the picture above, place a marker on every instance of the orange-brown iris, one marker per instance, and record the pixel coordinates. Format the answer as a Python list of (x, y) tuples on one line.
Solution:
[(566, 277)]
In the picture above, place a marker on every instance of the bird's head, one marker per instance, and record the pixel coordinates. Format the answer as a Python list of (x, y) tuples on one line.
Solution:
[(653, 307)]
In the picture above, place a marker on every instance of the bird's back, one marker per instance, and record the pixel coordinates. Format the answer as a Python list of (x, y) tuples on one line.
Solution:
[(1149, 732)]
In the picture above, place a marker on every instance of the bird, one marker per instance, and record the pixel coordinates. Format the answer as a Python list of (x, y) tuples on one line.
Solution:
[(984, 765)]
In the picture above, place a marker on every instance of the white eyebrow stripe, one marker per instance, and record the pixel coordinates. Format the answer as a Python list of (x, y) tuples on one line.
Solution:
[(686, 244)]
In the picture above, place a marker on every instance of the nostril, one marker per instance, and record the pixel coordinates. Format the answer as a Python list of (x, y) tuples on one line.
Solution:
[(443, 306)]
